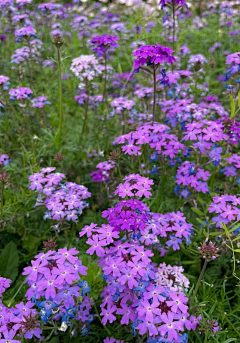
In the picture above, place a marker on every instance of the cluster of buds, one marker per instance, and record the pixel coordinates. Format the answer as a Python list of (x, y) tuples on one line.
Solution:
[(114, 155), (50, 244), (209, 250), (58, 157), (58, 41), (211, 326), (4, 178)]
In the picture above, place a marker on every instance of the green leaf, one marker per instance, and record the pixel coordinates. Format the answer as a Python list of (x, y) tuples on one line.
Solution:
[(201, 222), (233, 106), (234, 228), (226, 231), (219, 233), (9, 261), (196, 210), (30, 243), (239, 99)]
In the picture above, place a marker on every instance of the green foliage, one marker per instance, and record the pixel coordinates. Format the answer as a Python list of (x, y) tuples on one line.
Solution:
[(9, 261), (93, 277)]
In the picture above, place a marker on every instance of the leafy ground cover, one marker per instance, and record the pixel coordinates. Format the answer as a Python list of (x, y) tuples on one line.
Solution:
[(119, 171)]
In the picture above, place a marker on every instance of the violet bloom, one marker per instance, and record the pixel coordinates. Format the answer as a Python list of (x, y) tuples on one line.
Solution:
[(20, 93), (8, 337), (152, 55), (96, 246), (148, 310), (104, 44), (170, 327), (49, 285), (233, 58), (168, 3), (108, 314)]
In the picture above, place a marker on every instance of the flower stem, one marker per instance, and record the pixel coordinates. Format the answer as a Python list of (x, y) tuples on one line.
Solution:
[(154, 93), (2, 199), (19, 289), (97, 314), (86, 111), (60, 94), (174, 23), (199, 281)]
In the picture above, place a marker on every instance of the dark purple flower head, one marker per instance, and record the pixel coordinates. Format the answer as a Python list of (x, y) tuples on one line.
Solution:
[(104, 44), (148, 55), (163, 3), (3, 38)]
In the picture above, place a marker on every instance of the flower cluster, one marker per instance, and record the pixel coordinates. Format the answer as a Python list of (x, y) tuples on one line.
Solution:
[(40, 102), (190, 175), (64, 201), (4, 284), (156, 135), (26, 31), (103, 174), (86, 67), (148, 55), (121, 104), (23, 55), (206, 133), (20, 93), (209, 250), (4, 81), (104, 44), (225, 208), (4, 159), (149, 300), (56, 293), (172, 277), (134, 186)]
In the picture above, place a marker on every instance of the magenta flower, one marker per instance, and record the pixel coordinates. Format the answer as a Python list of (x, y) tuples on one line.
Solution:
[(178, 302), (49, 285), (88, 230), (96, 245), (108, 314), (170, 327), (148, 310), (8, 337)]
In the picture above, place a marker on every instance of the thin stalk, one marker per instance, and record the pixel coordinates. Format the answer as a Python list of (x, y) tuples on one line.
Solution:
[(86, 111), (140, 164), (119, 171), (60, 94), (2, 190), (174, 28), (174, 23), (199, 281), (19, 289), (97, 314), (123, 122), (154, 93), (105, 78)]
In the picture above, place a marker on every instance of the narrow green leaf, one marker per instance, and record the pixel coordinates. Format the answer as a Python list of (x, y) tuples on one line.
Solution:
[(200, 221), (9, 261), (196, 210), (233, 106), (226, 231)]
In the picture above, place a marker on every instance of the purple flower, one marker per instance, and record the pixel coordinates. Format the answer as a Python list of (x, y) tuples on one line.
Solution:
[(104, 44), (108, 314), (170, 327), (153, 55)]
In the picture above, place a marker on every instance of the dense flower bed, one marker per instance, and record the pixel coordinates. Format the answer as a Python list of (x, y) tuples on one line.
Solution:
[(119, 181)]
